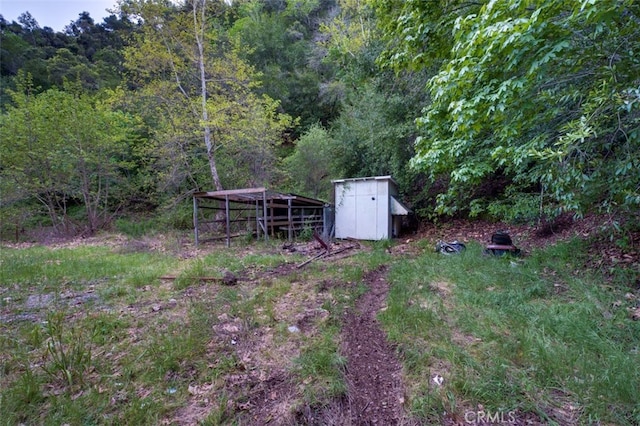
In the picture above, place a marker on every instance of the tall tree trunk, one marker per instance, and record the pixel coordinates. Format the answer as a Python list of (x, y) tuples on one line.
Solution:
[(208, 141)]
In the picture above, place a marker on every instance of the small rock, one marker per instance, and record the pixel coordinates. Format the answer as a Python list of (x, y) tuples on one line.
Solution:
[(156, 308), (293, 329), (230, 328)]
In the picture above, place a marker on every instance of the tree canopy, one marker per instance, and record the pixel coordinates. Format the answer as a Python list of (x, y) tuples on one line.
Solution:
[(542, 96), (50, 153), (513, 110)]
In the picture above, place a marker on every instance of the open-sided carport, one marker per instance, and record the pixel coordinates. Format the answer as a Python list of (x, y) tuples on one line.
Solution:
[(254, 210)]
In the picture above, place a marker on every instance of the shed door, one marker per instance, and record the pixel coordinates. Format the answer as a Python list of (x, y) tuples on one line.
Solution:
[(345, 212), (367, 210)]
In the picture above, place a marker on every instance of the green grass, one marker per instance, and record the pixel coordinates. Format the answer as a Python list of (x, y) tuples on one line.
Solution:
[(322, 367), (51, 269), (514, 334), (62, 327), (90, 335), (136, 228)]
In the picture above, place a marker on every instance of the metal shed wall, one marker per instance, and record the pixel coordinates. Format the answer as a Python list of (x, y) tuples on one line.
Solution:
[(363, 207)]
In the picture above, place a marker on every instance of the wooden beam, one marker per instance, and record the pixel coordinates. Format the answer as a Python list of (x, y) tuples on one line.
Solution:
[(229, 192), (175, 277), (326, 253), (257, 220)]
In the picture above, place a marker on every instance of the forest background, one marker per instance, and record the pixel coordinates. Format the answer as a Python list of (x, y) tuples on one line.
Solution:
[(513, 110)]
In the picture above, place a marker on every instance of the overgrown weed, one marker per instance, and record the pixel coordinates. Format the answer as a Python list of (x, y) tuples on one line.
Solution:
[(507, 333), (527, 335)]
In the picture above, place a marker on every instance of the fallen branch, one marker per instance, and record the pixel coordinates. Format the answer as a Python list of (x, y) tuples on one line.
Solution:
[(228, 279), (343, 256), (326, 254), (344, 249), (174, 277)]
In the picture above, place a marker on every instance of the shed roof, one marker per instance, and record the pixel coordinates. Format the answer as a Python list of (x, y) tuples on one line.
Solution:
[(252, 195), (364, 178)]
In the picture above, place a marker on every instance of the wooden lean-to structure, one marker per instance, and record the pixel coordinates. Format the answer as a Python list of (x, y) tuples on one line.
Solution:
[(255, 211)]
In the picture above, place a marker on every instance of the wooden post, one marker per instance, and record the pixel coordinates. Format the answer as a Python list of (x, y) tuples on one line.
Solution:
[(273, 227), (195, 218), (226, 203), (290, 219), (257, 220), (264, 209)]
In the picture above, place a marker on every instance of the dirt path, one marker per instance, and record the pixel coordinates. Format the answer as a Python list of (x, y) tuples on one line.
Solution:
[(265, 393), (373, 373)]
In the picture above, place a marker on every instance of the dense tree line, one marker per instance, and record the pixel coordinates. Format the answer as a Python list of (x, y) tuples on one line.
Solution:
[(540, 96), (507, 109), (85, 51)]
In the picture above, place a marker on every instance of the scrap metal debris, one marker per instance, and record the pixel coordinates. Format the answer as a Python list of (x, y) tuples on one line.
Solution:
[(326, 252), (454, 247)]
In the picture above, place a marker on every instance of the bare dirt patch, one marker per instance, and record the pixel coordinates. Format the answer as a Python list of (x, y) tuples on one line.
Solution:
[(525, 236), (266, 392), (263, 387), (35, 307)]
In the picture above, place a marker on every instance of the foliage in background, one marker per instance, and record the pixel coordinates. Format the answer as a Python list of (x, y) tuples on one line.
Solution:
[(198, 94), (375, 132), (63, 148), (522, 110), (544, 97), (311, 166), (281, 40), (374, 135), (88, 52)]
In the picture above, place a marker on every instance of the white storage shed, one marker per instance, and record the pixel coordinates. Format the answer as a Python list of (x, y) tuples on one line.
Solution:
[(367, 208)]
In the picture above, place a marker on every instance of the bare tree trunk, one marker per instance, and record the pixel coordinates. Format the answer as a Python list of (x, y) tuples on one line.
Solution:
[(90, 201), (199, 31)]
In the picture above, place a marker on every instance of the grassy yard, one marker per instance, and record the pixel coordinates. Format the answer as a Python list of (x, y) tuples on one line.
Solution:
[(91, 334), (511, 335)]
